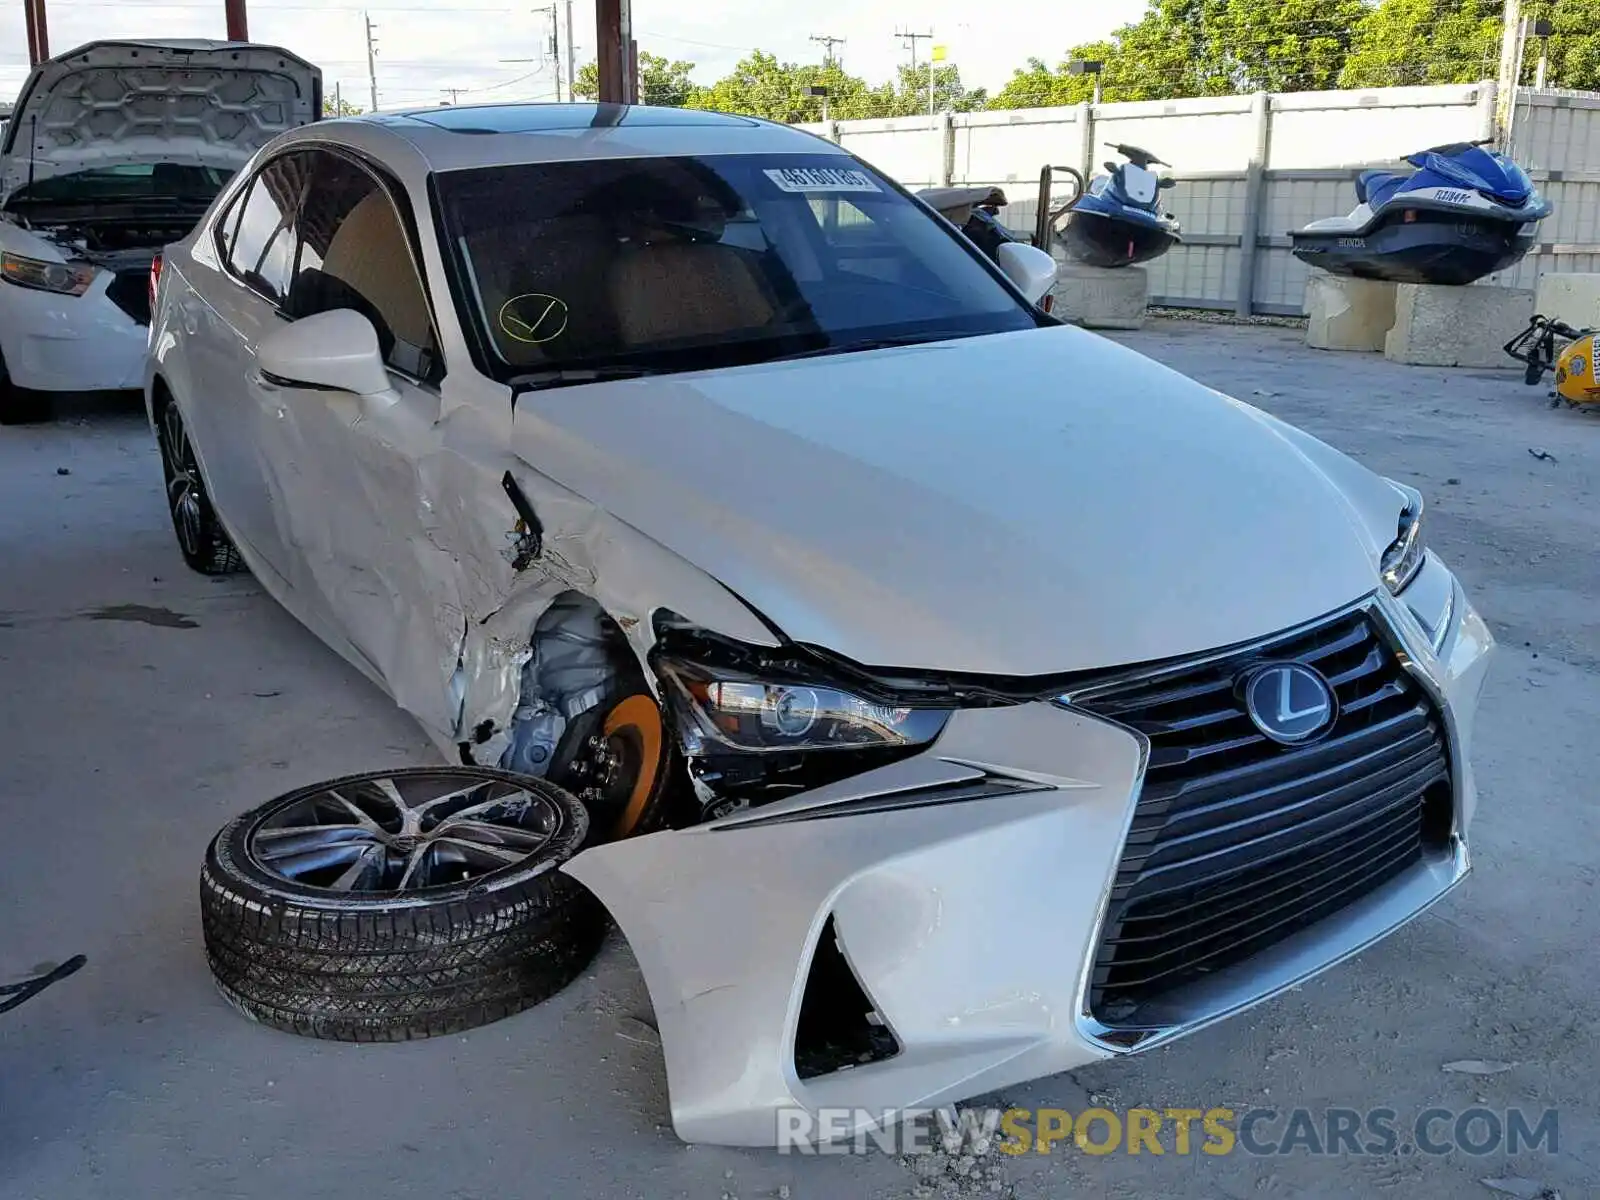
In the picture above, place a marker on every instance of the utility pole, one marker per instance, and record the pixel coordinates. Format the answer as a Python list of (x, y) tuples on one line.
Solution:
[(1511, 34), (372, 61), (552, 52), (453, 93), (909, 40), (828, 42), (572, 76), (615, 55), (338, 99)]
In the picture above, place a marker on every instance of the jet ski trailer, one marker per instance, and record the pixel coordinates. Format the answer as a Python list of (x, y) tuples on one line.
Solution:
[(1464, 213)]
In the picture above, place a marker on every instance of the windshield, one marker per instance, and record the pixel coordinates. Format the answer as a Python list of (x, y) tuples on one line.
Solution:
[(687, 263), (130, 181)]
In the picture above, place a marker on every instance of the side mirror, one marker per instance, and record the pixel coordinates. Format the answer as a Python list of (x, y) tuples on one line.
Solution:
[(1167, 181), (335, 350), (1030, 268)]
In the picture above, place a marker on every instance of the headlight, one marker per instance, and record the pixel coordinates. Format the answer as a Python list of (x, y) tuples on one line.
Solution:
[(1403, 558), (69, 279), (745, 713)]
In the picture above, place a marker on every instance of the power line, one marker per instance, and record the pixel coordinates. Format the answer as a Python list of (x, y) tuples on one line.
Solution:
[(828, 42), (909, 40)]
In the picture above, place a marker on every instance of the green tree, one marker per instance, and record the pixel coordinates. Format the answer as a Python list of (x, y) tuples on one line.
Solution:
[(1287, 46), (1039, 86), (1574, 49), (908, 97), (761, 86), (345, 108), (1407, 42), (1203, 48), (662, 81)]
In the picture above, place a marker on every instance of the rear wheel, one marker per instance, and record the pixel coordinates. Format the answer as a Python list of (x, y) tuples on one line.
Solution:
[(204, 543)]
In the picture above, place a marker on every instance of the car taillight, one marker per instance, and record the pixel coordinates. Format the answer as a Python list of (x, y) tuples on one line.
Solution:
[(155, 278)]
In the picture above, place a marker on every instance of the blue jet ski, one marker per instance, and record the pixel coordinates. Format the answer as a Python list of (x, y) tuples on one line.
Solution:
[(1464, 213), (1117, 222)]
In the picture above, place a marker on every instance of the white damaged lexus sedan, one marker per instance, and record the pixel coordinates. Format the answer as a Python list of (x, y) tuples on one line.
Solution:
[(959, 697)]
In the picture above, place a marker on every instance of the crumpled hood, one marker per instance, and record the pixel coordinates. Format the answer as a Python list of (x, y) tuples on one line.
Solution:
[(1018, 504), (184, 101)]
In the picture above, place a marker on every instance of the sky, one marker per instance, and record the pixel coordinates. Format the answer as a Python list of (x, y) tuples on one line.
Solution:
[(425, 48)]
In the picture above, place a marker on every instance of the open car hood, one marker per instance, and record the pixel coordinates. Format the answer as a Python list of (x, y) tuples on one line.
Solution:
[(183, 101)]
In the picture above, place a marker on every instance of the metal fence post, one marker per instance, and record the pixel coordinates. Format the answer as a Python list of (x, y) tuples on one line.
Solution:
[(1086, 151), (1487, 107), (1255, 196), (947, 149)]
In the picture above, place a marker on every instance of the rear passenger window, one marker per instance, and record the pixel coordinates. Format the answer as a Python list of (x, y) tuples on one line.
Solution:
[(354, 254), (261, 249)]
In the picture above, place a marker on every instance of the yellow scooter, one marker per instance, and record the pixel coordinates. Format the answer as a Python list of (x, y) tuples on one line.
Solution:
[(1573, 360)]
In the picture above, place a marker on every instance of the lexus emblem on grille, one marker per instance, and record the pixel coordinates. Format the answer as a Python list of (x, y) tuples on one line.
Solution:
[(1289, 702)]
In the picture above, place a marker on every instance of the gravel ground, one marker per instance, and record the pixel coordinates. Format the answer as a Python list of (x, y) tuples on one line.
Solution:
[(143, 705)]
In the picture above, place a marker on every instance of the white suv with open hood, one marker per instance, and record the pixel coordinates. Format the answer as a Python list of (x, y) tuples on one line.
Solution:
[(114, 150)]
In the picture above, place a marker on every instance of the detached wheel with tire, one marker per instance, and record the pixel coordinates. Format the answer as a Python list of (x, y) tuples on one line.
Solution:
[(399, 904), (204, 543)]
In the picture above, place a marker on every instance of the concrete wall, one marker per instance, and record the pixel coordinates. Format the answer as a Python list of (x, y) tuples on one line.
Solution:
[(1556, 136)]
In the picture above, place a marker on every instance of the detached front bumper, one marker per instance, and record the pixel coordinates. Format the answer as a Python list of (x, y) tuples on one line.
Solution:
[(968, 890), (61, 343)]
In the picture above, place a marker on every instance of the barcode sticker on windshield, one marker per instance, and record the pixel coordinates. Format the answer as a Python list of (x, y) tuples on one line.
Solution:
[(821, 179)]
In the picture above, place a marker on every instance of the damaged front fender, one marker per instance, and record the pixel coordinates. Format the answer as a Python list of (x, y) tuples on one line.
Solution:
[(963, 894)]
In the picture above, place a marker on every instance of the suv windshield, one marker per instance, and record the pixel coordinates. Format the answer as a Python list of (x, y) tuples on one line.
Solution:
[(687, 263)]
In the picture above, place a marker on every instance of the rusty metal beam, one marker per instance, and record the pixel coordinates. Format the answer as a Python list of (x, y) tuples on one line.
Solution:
[(615, 54), (38, 31), (238, 20)]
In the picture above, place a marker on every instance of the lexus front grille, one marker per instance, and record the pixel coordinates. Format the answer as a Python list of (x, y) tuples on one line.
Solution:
[(1238, 842)]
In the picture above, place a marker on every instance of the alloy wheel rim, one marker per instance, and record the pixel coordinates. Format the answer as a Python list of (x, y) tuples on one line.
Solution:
[(183, 482), (404, 834)]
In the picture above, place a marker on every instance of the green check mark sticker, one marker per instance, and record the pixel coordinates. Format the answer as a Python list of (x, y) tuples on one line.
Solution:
[(533, 318)]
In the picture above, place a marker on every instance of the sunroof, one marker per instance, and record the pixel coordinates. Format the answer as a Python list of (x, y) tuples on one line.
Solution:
[(542, 118)]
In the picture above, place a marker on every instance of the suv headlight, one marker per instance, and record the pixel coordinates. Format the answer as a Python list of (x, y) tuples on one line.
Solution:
[(67, 279), (745, 713), (1403, 558)]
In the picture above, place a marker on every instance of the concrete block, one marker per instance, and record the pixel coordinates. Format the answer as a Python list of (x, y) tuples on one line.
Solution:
[(1098, 298), (1438, 326), (1346, 313), (1573, 298)]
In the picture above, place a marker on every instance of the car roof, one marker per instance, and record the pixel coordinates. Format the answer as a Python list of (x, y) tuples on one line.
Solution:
[(453, 137)]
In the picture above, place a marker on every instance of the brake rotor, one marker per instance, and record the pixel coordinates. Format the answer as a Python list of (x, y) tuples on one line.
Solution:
[(617, 769)]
